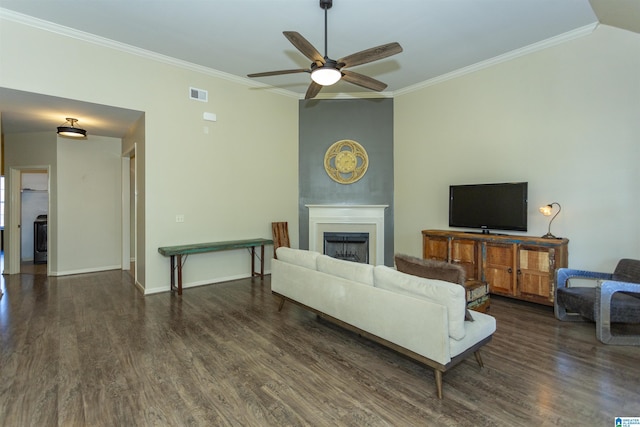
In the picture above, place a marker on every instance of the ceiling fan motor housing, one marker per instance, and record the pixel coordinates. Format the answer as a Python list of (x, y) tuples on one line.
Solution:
[(326, 4)]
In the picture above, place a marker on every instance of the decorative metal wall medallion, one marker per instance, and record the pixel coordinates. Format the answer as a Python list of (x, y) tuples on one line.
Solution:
[(346, 161)]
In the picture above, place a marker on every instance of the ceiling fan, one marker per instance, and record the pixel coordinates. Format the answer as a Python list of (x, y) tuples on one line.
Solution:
[(326, 71)]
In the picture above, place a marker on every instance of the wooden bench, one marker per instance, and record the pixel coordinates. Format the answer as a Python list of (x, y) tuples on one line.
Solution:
[(176, 253)]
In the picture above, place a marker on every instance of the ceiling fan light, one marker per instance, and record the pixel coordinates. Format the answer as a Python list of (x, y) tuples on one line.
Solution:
[(326, 76), (71, 131)]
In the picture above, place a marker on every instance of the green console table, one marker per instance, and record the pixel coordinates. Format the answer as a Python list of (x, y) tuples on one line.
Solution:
[(177, 252)]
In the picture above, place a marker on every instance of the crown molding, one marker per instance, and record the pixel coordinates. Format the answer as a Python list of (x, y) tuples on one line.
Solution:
[(535, 47), (351, 95), (111, 44), (31, 21)]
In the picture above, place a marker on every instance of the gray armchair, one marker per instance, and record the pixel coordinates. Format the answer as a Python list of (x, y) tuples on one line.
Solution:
[(603, 298)]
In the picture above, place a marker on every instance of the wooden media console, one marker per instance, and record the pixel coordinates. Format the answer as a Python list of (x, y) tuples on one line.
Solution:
[(522, 267)]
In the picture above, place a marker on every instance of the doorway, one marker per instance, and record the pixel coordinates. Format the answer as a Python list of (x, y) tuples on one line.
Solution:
[(130, 212), (29, 200)]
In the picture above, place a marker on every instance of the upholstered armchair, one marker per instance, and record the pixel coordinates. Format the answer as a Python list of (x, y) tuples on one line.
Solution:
[(603, 298)]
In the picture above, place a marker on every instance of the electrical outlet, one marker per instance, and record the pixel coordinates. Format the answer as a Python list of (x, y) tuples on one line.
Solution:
[(179, 218)]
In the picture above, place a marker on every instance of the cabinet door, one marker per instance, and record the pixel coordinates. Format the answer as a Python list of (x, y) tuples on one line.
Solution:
[(465, 253), (536, 270), (435, 247), (499, 268)]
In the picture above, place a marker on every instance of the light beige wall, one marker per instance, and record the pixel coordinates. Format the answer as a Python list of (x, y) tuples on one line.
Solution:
[(24, 151), (89, 205), (135, 138), (229, 183), (565, 119), (84, 221)]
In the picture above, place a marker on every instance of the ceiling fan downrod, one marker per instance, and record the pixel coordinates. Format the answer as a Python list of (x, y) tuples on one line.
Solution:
[(326, 5)]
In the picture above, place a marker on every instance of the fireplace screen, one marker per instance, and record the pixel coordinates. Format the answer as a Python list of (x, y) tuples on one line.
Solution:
[(347, 246)]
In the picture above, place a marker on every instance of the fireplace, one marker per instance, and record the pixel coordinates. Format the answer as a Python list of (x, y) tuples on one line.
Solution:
[(367, 219), (348, 246)]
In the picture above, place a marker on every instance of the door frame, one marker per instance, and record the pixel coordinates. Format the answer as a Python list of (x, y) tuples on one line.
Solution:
[(129, 232), (13, 230)]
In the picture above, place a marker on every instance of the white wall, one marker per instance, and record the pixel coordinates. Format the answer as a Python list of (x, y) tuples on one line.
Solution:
[(565, 119), (229, 183)]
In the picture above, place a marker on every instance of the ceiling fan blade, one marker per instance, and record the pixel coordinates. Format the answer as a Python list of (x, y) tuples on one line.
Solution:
[(370, 55), (313, 90), (364, 81), (304, 46), (277, 73)]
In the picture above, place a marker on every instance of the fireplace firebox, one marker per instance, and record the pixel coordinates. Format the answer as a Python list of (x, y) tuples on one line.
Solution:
[(348, 246)]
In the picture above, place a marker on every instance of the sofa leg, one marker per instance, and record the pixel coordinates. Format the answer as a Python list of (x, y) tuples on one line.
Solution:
[(281, 304), (438, 375), (479, 358)]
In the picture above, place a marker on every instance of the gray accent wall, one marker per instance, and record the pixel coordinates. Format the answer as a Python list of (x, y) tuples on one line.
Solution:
[(366, 121)]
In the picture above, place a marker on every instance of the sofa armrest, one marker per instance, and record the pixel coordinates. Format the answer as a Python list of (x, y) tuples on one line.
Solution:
[(604, 296), (563, 276)]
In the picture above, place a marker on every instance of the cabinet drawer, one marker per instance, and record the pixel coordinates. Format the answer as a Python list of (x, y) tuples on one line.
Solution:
[(435, 248)]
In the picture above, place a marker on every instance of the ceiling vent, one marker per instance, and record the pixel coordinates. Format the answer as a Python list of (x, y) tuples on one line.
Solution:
[(198, 94)]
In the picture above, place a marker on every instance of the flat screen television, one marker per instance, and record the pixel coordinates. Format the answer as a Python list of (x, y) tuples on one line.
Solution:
[(489, 206)]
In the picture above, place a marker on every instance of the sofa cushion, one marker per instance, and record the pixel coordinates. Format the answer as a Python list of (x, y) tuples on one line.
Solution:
[(356, 271), (432, 269), (438, 291), (299, 257), (625, 308)]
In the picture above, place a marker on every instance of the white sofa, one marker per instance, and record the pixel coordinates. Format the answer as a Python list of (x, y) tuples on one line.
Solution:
[(421, 318)]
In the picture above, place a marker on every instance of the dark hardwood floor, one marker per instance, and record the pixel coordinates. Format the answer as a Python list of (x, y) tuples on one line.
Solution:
[(91, 350)]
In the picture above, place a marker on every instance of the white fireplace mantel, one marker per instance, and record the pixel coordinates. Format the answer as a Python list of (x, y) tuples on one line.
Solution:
[(358, 218)]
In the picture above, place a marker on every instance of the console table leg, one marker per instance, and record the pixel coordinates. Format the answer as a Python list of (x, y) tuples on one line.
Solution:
[(179, 274), (253, 261), (173, 273)]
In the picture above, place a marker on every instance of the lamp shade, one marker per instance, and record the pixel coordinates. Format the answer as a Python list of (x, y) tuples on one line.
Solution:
[(545, 210), (68, 129), (326, 75)]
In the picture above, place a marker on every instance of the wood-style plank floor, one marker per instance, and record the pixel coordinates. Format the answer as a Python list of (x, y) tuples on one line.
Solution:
[(91, 350)]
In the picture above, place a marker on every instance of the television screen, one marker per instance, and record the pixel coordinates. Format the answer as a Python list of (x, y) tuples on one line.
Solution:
[(489, 206)]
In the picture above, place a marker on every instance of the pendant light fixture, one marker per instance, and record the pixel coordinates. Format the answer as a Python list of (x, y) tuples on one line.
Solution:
[(69, 129)]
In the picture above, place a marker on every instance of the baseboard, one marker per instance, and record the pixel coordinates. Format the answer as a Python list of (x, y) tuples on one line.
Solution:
[(139, 286), (86, 270), (167, 288)]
